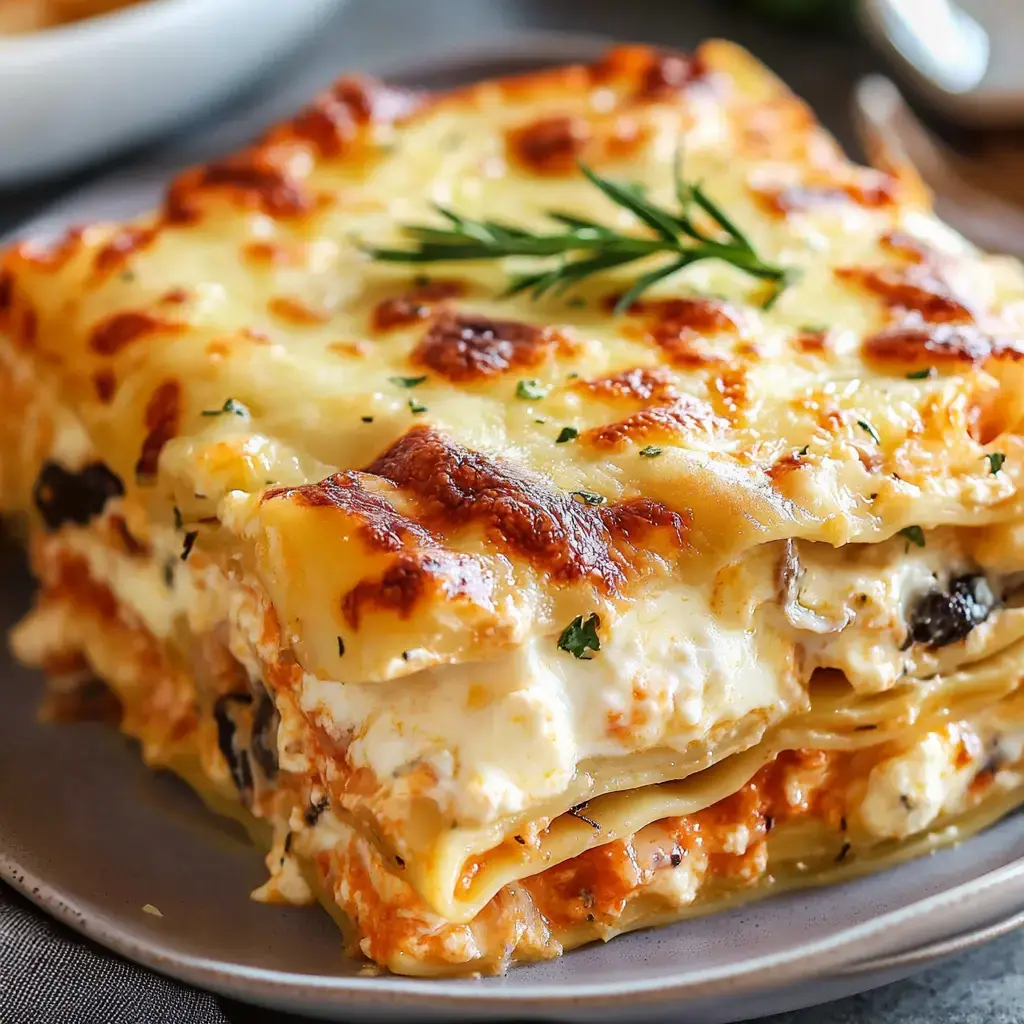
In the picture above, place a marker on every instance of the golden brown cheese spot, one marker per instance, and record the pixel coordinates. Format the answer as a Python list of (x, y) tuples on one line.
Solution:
[(352, 349), (292, 311), (416, 304), (162, 419), (657, 423), (655, 74), (914, 289), (786, 464), (521, 512), (905, 245), (812, 341), (730, 391), (110, 336), (53, 257), (175, 297), (469, 346), (125, 241), (551, 145), (272, 254), (105, 384), (680, 328), (641, 384), (250, 180), (799, 198), (338, 116), (384, 527), (943, 343), (418, 577)]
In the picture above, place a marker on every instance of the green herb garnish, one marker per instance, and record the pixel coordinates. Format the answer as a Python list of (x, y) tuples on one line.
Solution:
[(341, 647), (651, 451), (869, 430), (995, 461), (922, 374), (530, 389), (914, 534), (589, 497), (415, 407), (408, 382), (567, 434), (580, 636), (230, 406), (698, 229)]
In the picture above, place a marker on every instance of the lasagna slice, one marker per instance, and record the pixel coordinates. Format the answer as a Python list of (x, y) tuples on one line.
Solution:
[(514, 618)]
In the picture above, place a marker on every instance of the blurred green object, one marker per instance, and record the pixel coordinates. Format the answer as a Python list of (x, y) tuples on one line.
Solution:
[(826, 13)]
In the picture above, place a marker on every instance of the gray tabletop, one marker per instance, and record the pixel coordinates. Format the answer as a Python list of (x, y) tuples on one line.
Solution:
[(985, 985)]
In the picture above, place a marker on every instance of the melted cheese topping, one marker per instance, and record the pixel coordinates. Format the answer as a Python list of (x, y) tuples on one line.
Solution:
[(251, 285)]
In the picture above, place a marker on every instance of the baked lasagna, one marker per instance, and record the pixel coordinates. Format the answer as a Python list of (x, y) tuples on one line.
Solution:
[(543, 510)]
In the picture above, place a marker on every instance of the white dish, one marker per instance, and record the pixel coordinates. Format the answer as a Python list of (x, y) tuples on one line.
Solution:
[(83, 91)]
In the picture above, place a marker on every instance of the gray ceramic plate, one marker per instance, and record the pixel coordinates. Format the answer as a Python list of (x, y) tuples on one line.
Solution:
[(91, 835)]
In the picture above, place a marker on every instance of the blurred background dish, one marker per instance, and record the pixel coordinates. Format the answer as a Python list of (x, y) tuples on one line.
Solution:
[(83, 90), (35, 15)]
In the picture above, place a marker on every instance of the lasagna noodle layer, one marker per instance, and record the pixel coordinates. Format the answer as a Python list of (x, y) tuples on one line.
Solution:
[(459, 872), (757, 823)]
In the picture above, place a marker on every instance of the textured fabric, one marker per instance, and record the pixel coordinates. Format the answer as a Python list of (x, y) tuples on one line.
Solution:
[(51, 975)]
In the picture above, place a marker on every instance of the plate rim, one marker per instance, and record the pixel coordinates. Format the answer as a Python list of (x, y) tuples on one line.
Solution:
[(799, 964)]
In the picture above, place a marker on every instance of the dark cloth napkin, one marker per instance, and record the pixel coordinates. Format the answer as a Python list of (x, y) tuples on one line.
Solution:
[(50, 975)]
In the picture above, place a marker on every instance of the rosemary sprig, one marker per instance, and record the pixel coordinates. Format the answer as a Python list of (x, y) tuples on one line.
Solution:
[(582, 247)]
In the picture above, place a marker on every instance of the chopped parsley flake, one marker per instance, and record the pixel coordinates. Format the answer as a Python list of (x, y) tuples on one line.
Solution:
[(814, 329), (922, 374), (844, 850), (128, 276), (589, 498), (415, 407), (232, 406), (530, 389), (995, 461), (869, 430), (652, 451), (341, 647), (577, 303), (914, 534), (803, 451), (366, 419), (408, 382), (169, 575), (190, 540), (567, 434), (178, 521), (580, 636)]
